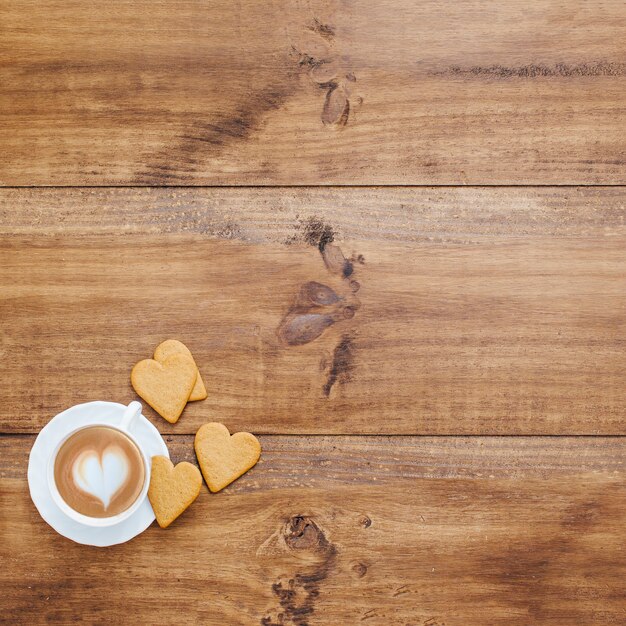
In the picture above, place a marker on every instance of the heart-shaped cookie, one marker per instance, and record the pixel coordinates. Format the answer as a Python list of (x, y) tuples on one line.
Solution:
[(173, 346), (165, 385), (222, 457), (172, 489)]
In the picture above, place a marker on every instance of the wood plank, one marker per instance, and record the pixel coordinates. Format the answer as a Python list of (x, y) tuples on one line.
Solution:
[(480, 311), (344, 530), (312, 92)]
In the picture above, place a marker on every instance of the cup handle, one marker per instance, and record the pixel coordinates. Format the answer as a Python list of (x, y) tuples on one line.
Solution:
[(130, 413)]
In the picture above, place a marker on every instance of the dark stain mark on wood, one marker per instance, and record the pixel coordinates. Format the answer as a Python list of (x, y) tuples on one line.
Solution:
[(520, 569), (306, 60), (520, 565), (205, 138), (317, 233), (316, 557), (323, 30), (581, 516), (602, 68), (342, 364)]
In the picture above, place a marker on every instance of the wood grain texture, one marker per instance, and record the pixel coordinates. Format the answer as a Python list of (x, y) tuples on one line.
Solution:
[(348, 530), (478, 311), (316, 92)]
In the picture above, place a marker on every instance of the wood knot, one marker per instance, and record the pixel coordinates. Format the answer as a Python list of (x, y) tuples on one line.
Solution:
[(302, 533), (298, 592), (314, 294), (349, 312), (297, 329), (360, 569), (365, 521)]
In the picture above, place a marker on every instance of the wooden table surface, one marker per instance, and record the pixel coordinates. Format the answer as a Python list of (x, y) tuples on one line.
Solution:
[(444, 444)]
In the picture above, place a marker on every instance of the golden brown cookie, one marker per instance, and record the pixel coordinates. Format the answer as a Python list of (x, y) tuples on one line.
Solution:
[(172, 489), (223, 458), (165, 385), (173, 346)]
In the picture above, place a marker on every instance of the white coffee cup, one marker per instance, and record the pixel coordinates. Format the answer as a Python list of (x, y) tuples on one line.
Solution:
[(128, 415)]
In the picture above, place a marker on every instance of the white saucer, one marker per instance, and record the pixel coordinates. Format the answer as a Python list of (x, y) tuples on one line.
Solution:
[(57, 428)]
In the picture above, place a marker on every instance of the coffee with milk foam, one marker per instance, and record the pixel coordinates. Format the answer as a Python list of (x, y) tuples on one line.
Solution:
[(99, 472)]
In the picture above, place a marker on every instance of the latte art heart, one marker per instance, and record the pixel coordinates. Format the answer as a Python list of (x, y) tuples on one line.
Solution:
[(99, 472), (101, 476)]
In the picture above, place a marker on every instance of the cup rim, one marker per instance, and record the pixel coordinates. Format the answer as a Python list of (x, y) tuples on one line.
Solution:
[(86, 519)]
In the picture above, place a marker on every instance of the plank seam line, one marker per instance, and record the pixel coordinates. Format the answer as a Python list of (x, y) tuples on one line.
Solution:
[(330, 186), (394, 435)]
